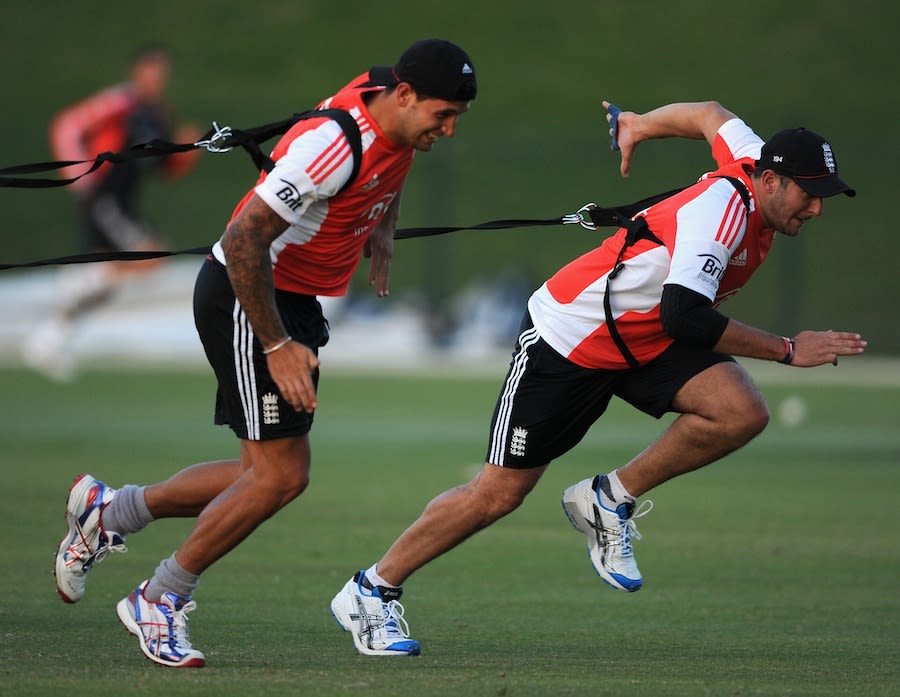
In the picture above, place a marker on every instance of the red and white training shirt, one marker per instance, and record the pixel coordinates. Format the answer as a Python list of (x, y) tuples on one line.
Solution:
[(709, 245), (92, 126), (321, 248)]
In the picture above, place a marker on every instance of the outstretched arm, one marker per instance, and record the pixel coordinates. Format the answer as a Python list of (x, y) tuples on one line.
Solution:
[(695, 120), (811, 348), (689, 316)]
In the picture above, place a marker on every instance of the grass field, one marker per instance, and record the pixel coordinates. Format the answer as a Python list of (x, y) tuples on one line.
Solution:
[(774, 572)]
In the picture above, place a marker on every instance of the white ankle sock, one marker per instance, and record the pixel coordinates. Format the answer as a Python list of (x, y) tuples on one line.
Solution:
[(619, 493), (375, 579)]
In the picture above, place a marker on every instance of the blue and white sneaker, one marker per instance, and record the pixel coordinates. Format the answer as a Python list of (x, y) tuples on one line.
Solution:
[(161, 628), (85, 542), (609, 532), (374, 617)]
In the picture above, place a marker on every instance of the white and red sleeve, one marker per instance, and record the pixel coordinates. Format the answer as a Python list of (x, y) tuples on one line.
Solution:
[(317, 163), (709, 229), (735, 140)]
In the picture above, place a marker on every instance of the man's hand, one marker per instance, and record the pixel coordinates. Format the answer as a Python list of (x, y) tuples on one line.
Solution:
[(694, 120), (625, 138), (380, 249), (818, 348), (292, 367)]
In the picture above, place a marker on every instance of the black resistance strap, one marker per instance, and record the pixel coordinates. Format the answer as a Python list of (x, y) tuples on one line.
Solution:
[(589, 216), (215, 140)]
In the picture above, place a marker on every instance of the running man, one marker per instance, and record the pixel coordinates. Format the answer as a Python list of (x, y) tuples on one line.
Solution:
[(639, 322), (296, 235), (108, 200)]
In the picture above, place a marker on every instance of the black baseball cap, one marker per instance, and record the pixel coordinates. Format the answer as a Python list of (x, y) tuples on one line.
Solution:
[(435, 68), (808, 159)]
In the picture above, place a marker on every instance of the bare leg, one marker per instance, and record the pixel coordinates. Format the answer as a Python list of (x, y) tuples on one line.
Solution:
[(721, 410), (187, 493), (270, 475), (456, 515)]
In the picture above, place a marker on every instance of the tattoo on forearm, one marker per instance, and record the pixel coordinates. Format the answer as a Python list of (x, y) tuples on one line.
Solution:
[(246, 244)]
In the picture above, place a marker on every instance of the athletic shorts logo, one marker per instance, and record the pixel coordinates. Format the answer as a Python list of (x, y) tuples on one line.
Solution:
[(270, 411), (517, 442)]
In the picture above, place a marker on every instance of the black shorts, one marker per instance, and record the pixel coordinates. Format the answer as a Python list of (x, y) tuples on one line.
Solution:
[(547, 403), (248, 400)]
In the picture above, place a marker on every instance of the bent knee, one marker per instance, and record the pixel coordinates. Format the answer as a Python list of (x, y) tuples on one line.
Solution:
[(498, 501), (278, 492), (747, 420), (296, 485)]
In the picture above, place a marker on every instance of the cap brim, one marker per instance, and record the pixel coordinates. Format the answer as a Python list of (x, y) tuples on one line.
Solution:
[(823, 187), (383, 75)]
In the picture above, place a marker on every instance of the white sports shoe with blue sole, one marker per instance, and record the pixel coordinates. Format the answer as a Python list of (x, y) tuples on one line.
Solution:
[(609, 532), (374, 618)]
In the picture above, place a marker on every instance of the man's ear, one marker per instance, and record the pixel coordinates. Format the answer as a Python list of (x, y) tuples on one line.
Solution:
[(771, 180), (404, 93)]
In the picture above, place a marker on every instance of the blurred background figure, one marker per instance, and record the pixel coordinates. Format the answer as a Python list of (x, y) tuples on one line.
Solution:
[(113, 119)]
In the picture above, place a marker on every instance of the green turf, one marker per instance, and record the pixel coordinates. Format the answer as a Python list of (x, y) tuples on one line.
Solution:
[(774, 572)]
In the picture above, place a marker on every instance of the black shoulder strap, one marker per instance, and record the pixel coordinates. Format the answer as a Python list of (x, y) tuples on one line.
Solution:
[(741, 189), (637, 230), (614, 216), (351, 129), (251, 138), (343, 118)]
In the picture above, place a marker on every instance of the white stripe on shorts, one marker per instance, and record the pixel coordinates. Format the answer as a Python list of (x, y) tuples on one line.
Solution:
[(242, 342), (517, 369)]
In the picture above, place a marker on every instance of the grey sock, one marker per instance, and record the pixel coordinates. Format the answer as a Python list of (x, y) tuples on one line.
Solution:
[(170, 577), (128, 511)]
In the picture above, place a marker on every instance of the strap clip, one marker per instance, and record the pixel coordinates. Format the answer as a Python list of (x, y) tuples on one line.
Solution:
[(581, 217), (216, 142)]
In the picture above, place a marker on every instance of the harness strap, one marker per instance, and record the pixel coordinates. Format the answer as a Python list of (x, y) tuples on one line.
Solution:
[(639, 230), (250, 139), (215, 140)]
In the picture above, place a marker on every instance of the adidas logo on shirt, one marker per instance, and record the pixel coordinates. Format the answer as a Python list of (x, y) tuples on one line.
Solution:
[(739, 259), (466, 69)]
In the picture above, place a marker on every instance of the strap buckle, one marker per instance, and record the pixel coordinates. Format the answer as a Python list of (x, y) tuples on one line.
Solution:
[(581, 217), (216, 142)]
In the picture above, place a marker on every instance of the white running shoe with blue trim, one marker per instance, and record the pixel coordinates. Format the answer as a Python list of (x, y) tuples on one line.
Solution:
[(161, 628), (609, 532), (374, 617), (86, 542)]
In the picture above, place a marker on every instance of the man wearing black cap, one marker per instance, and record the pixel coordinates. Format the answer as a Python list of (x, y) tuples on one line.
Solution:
[(635, 318), (297, 234)]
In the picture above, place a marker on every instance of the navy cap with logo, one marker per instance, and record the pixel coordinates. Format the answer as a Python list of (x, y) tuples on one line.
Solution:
[(808, 159), (435, 68)]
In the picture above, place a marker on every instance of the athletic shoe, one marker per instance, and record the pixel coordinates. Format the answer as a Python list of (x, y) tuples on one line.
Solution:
[(374, 618), (609, 532), (86, 542), (161, 628)]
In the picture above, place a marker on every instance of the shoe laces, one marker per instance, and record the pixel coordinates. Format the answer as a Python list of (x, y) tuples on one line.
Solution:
[(109, 542), (394, 623), (177, 622), (629, 528)]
